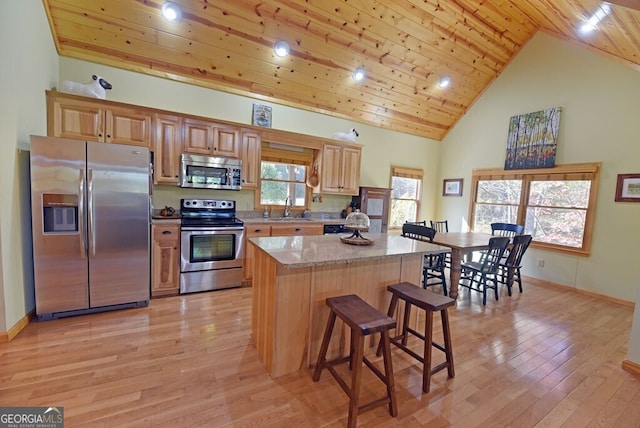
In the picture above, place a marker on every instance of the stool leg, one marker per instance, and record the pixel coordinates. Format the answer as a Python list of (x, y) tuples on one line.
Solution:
[(392, 309), (428, 341), (356, 359), (388, 372), (446, 332), (325, 345), (405, 322)]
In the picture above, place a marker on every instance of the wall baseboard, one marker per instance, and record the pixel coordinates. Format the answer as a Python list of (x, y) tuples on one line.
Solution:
[(17, 328), (631, 367), (545, 283)]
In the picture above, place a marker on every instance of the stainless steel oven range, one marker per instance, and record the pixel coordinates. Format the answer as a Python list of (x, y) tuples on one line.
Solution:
[(211, 245)]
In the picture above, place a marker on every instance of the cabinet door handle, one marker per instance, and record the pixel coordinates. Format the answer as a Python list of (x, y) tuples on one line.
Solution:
[(298, 229), (166, 232)]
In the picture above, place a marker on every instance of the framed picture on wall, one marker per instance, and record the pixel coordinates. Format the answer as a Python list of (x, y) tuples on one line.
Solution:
[(261, 116), (452, 187), (628, 188)]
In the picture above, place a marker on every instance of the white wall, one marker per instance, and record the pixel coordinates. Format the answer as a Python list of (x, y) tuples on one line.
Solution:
[(29, 66), (599, 123)]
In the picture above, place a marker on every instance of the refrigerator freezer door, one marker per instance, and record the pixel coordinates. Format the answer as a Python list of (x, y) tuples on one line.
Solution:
[(60, 259), (118, 223)]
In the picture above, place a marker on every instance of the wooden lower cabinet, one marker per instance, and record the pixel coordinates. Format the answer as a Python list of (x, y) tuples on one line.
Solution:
[(262, 230), (165, 260), (253, 231)]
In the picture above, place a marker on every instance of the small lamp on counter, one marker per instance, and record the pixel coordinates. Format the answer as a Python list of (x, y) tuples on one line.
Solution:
[(357, 221)]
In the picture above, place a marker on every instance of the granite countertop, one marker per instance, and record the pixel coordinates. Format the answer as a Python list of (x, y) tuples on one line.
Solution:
[(279, 220), (304, 251)]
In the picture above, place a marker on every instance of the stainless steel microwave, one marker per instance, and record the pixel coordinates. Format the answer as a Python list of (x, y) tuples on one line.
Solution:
[(209, 172)]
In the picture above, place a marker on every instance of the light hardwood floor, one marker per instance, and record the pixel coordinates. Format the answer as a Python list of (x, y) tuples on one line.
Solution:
[(547, 357)]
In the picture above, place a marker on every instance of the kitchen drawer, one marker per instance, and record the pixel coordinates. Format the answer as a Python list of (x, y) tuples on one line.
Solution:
[(296, 229), (257, 230)]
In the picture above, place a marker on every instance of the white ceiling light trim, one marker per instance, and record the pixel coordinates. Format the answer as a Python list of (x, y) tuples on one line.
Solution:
[(171, 12), (444, 82), (359, 74), (281, 48), (595, 19)]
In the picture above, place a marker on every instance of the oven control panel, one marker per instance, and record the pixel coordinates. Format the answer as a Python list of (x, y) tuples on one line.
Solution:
[(208, 203)]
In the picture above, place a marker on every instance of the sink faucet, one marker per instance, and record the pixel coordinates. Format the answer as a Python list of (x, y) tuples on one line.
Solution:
[(287, 207)]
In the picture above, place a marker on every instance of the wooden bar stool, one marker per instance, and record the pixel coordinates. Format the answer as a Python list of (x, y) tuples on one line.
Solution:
[(363, 321), (430, 302)]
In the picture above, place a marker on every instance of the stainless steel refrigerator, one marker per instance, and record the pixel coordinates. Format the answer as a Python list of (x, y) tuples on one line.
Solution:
[(90, 216)]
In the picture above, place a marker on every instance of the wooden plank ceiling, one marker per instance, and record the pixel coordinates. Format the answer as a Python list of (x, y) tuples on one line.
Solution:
[(405, 46)]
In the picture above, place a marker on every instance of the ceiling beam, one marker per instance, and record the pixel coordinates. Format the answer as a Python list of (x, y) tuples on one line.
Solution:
[(631, 4)]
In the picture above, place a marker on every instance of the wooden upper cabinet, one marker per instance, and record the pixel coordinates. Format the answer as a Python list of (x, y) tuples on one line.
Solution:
[(198, 136), (250, 155), (167, 149), (125, 126), (340, 169), (71, 116), (226, 141), (211, 139)]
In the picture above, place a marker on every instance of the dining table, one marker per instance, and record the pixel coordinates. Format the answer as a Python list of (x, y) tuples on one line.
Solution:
[(461, 243)]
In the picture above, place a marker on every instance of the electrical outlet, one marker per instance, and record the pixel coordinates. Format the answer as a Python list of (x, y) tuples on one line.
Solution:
[(540, 263)]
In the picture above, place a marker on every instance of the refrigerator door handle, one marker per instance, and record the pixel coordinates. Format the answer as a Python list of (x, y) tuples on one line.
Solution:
[(81, 225), (90, 217)]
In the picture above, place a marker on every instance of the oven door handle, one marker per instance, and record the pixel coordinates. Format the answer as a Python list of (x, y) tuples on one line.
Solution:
[(210, 229)]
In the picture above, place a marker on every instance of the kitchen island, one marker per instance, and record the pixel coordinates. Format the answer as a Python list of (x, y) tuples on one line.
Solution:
[(295, 274)]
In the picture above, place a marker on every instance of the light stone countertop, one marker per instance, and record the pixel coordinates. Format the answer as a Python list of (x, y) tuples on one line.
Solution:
[(304, 251), (278, 220)]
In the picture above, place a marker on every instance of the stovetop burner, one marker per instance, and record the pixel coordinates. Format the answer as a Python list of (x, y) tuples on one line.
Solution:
[(209, 213)]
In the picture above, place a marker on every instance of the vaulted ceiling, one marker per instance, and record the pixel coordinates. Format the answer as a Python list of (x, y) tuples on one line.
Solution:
[(405, 47)]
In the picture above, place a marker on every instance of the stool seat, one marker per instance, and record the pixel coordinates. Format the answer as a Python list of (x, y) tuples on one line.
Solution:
[(363, 320), (430, 302), (420, 297), (358, 314)]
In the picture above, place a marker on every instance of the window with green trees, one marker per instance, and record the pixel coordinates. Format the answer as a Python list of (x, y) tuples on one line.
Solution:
[(283, 174), (555, 205), (282, 183), (406, 188)]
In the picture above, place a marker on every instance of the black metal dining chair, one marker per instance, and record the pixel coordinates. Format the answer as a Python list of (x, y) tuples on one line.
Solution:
[(442, 226), (506, 229), (510, 267), (434, 264), (483, 274)]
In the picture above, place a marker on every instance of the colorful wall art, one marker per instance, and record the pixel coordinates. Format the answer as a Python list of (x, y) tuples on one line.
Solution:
[(532, 139)]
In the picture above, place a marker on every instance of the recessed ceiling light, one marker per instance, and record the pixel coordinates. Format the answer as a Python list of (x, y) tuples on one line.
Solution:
[(444, 82), (359, 74), (281, 48), (171, 12), (595, 19)]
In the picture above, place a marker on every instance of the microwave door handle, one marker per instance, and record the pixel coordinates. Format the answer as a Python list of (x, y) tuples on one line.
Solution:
[(81, 225), (90, 217)]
